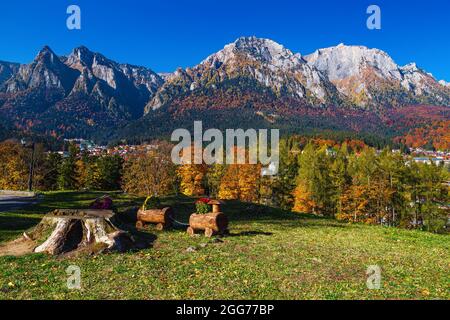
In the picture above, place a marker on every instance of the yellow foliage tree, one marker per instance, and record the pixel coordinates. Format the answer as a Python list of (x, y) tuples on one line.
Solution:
[(191, 179), (150, 174), (364, 203), (302, 199), (13, 168), (81, 173), (229, 186), (354, 204), (241, 182)]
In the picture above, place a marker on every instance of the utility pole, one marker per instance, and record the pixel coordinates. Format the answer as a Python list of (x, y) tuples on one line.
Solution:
[(31, 171), (31, 165)]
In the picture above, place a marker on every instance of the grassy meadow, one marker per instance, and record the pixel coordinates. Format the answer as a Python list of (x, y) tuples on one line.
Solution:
[(270, 254)]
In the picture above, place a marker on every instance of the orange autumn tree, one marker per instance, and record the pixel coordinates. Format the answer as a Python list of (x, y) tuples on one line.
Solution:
[(363, 203), (229, 185), (192, 179), (81, 173), (241, 181), (249, 179), (13, 166), (355, 204), (191, 176), (303, 201)]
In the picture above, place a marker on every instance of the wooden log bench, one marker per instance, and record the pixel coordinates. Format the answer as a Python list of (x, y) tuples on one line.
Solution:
[(214, 223), (162, 218)]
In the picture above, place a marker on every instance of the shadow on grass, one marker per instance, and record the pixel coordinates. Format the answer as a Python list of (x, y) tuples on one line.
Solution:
[(143, 240), (126, 207), (239, 212), (249, 234), (14, 223)]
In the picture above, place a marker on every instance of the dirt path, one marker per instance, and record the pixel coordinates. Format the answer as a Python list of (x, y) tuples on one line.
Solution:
[(17, 247)]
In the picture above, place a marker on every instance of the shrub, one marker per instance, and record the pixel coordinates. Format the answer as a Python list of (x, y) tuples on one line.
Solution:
[(202, 206)]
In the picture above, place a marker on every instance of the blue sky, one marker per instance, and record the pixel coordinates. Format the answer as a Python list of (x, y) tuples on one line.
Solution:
[(166, 34)]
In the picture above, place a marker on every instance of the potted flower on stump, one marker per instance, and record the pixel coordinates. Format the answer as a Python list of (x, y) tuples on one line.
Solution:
[(208, 218)]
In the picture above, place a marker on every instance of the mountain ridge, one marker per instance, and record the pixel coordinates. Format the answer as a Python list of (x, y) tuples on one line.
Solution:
[(85, 93), (75, 94)]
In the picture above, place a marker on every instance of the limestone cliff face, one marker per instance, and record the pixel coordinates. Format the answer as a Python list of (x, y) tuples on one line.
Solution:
[(268, 63), (7, 70), (370, 77), (346, 76)]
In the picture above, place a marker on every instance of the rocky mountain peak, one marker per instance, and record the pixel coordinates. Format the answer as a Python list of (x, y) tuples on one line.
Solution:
[(264, 61), (48, 58), (80, 55), (47, 71), (343, 61), (117, 76), (410, 67), (265, 49), (364, 75), (45, 51), (258, 49)]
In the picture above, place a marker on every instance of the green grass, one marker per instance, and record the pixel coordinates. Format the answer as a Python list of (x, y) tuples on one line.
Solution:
[(269, 255)]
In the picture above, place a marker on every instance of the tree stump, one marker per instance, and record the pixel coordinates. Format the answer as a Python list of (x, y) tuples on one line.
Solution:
[(72, 229), (210, 223)]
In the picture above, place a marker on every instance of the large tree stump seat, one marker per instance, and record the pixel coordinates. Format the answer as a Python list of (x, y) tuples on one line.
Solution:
[(71, 229)]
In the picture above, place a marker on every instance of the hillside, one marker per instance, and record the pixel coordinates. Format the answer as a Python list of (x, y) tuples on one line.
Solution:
[(270, 254)]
